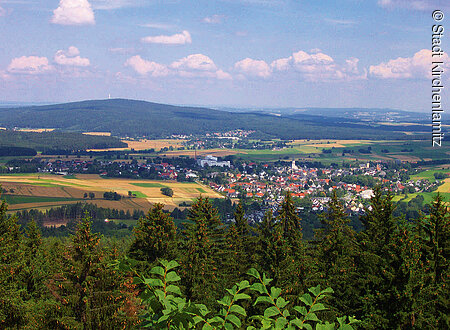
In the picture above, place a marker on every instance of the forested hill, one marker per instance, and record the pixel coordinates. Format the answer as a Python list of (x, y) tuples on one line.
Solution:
[(137, 118)]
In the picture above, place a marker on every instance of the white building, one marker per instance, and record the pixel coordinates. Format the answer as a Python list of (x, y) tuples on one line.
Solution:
[(212, 161)]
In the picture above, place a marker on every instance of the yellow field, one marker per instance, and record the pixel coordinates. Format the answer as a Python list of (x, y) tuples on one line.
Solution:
[(147, 144), (36, 130), (147, 191), (98, 133), (445, 187)]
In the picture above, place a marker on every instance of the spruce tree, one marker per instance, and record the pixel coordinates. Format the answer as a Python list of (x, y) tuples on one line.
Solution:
[(382, 266), (12, 312), (154, 237), (336, 250), (432, 308), (90, 294), (295, 268), (203, 252)]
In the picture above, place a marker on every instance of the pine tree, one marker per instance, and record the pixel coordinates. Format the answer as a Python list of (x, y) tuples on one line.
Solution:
[(90, 294), (295, 267), (239, 251), (382, 269), (202, 252), (432, 308), (12, 312), (154, 237), (336, 251)]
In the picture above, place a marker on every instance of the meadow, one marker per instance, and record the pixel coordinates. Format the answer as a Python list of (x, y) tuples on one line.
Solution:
[(39, 190)]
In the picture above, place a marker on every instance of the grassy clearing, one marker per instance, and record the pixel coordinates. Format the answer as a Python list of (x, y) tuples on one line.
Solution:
[(69, 176), (429, 174), (139, 194), (428, 197)]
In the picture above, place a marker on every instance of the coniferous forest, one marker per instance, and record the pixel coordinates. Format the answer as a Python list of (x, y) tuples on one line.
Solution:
[(394, 274)]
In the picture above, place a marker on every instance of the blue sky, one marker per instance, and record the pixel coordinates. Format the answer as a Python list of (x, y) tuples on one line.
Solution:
[(271, 53)]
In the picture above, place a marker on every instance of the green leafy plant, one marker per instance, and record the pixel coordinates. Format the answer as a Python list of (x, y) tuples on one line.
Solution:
[(279, 316), (167, 309)]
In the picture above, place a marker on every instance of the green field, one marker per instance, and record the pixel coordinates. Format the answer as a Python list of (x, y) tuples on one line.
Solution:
[(428, 197), (429, 174), (18, 199), (139, 194)]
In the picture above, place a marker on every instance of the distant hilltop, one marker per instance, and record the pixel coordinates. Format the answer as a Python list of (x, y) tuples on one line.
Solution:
[(133, 118)]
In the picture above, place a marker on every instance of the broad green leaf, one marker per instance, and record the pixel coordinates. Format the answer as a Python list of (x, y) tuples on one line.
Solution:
[(234, 319), (216, 319), (238, 309), (228, 326), (261, 299), (315, 290), (280, 323), (301, 309), (318, 307), (258, 287), (311, 317), (137, 280), (306, 299), (307, 326), (153, 282), (275, 292), (281, 303), (171, 265), (241, 296), (206, 326), (157, 270), (173, 289), (271, 311), (172, 277), (345, 327), (253, 272), (326, 326), (297, 323), (243, 285), (327, 290)]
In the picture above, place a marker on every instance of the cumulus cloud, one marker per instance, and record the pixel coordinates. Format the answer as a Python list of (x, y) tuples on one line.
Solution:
[(253, 68), (73, 12), (414, 4), (70, 57), (418, 66), (144, 67), (214, 19), (194, 62), (175, 39), (192, 66), (29, 65), (318, 66)]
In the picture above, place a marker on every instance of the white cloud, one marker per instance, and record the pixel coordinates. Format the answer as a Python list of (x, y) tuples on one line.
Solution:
[(194, 62), (73, 12), (318, 66), (159, 26), (70, 57), (253, 68), (214, 19), (115, 4), (418, 66), (175, 39), (144, 67), (192, 66), (415, 4), (29, 65)]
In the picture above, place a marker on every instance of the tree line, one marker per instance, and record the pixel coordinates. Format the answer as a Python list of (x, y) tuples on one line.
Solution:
[(391, 275)]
